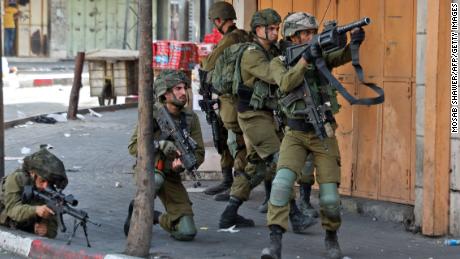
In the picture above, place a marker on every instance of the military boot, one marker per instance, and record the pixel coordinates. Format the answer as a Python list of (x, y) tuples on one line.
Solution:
[(223, 196), (224, 185), (304, 201), (332, 245), (230, 215), (299, 222), (128, 219), (156, 217), (274, 251), (263, 208)]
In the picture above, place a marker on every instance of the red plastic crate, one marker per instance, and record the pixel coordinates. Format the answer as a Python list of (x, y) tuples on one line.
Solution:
[(174, 55)]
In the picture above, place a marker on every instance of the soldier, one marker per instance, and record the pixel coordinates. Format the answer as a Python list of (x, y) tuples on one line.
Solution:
[(42, 170), (222, 15), (255, 116), (170, 89), (301, 140)]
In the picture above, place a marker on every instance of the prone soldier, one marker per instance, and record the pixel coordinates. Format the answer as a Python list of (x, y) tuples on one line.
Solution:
[(42, 170)]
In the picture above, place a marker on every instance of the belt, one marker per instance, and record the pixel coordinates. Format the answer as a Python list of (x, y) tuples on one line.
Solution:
[(300, 125)]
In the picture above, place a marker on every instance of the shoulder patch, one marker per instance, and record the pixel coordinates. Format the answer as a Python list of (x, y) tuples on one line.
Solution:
[(251, 48), (282, 58)]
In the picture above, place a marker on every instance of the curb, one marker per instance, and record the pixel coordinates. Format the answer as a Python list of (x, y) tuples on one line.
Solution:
[(41, 248), (12, 123)]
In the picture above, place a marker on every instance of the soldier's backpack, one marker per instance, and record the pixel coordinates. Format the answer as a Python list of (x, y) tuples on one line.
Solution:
[(226, 74)]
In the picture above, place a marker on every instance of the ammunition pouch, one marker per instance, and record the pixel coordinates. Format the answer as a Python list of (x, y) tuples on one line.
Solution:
[(263, 97)]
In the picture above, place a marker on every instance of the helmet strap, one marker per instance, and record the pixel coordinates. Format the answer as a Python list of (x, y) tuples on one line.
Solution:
[(219, 28)]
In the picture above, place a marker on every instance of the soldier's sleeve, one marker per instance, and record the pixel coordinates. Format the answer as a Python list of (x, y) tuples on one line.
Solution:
[(15, 209), (195, 133), (338, 57), (256, 63), (287, 79), (210, 62), (132, 146)]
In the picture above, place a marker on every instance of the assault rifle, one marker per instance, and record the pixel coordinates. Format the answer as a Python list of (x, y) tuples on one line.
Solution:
[(183, 141), (207, 106), (319, 115), (330, 40), (60, 204)]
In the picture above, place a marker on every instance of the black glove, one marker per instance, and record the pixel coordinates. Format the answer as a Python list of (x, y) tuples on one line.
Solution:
[(358, 36), (311, 53)]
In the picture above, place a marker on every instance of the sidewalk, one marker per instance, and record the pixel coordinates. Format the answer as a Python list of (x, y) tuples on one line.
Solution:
[(94, 152)]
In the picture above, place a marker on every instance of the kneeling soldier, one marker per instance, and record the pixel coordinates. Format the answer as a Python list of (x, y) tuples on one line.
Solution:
[(170, 89)]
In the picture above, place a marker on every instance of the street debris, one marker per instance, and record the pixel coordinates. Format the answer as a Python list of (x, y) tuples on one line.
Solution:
[(59, 117), (80, 116), (11, 158), (25, 125), (21, 114), (25, 150), (67, 135), (93, 113), (44, 119), (204, 228), (230, 229), (118, 185), (47, 146), (74, 169)]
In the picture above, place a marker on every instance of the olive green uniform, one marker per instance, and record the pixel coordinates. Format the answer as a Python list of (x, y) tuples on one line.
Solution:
[(297, 144), (227, 102), (173, 193), (259, 129), (14, 213)]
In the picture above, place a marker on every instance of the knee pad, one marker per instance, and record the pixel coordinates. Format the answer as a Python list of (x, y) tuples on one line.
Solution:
[(232, 143), (329, 200), (185, 229), (282, 187)]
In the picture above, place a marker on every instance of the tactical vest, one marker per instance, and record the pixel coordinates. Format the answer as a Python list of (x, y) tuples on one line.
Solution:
[(321, 93), (262, 96)]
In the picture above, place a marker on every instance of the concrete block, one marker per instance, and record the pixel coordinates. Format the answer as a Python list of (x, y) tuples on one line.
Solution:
[(455, 165), (419, 161), (418, 206), (454, 227), (421, 16)]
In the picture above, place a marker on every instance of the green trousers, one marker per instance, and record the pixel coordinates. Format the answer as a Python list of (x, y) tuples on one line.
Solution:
[(294, 149)]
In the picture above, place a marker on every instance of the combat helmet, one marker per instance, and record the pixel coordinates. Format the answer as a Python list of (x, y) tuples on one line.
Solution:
[(47, 166), (222, 10), (167, 79), (265, 17), (298, 21)]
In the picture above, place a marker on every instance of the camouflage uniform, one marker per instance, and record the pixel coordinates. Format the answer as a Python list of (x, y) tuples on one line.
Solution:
[(227, 102), (15, 213), (255, 117), (300, 140), (172, 192)]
